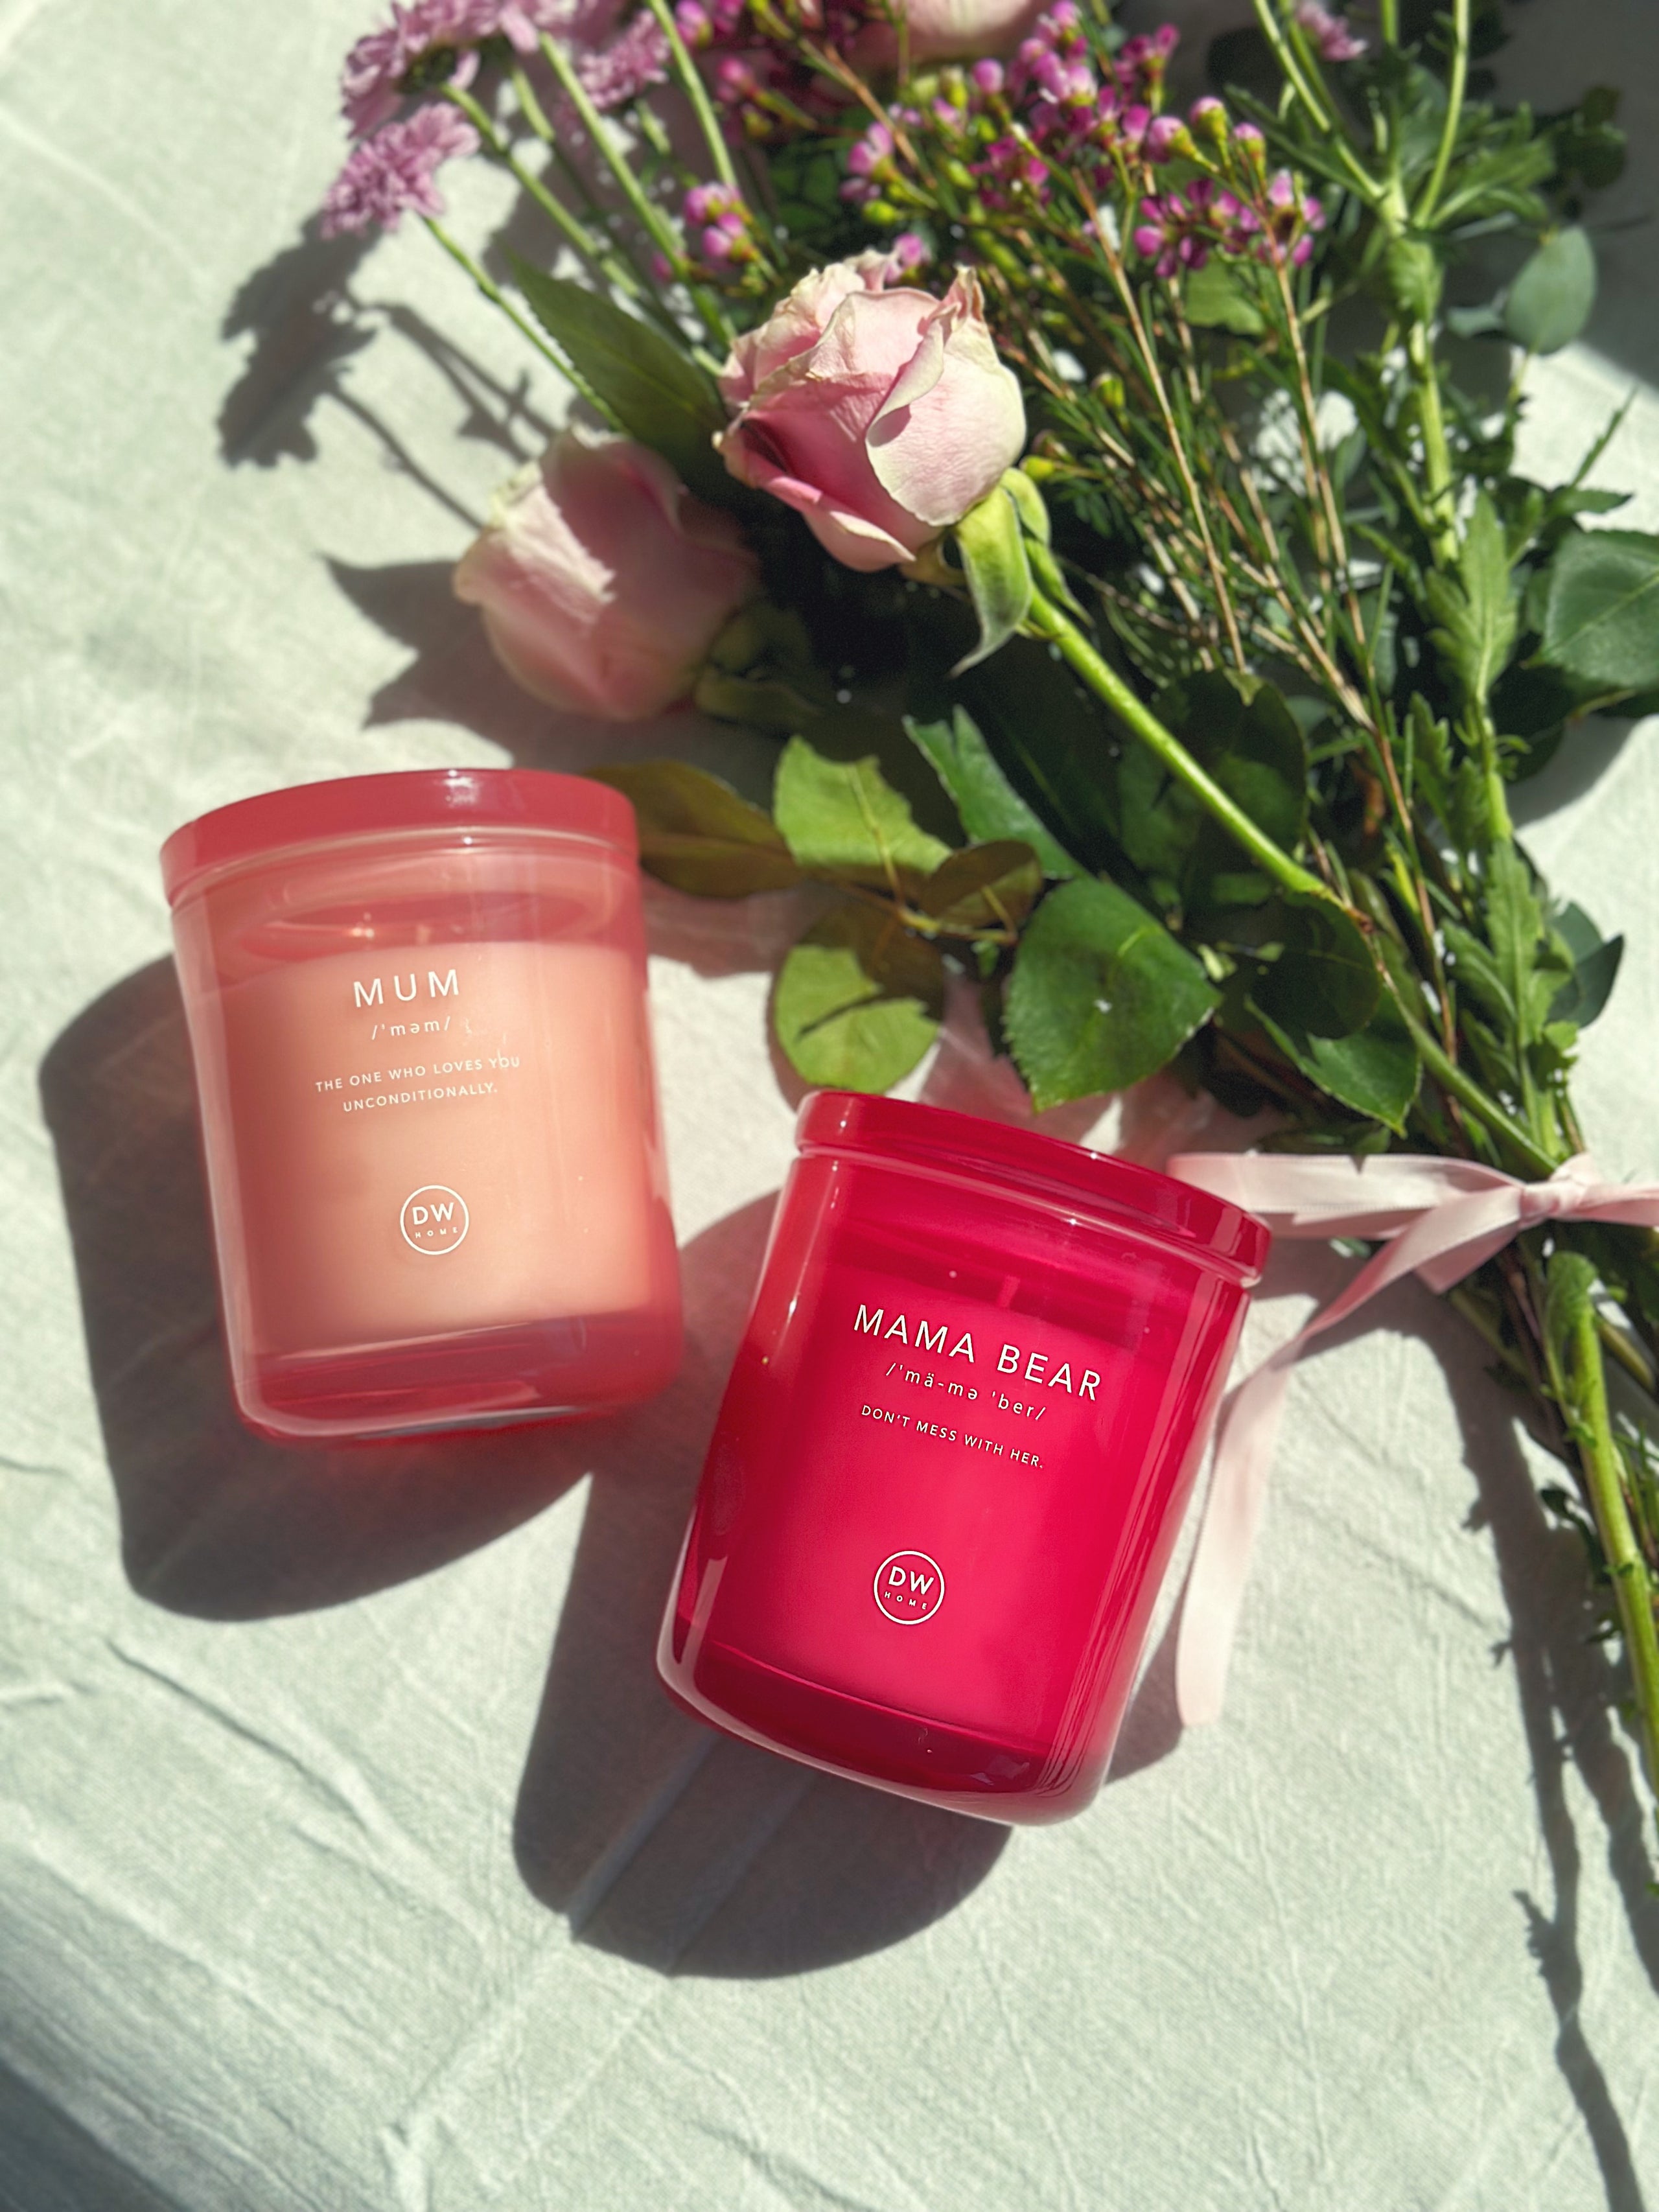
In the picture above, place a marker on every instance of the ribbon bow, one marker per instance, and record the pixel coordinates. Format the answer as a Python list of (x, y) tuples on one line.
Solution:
[(1442, 1218)]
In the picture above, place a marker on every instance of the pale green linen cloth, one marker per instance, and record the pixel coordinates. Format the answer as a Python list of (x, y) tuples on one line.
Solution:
[(350, 1860)]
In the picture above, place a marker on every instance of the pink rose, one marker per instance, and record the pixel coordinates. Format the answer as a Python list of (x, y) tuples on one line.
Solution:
[(881, 413), (603, 582), (950, 30)]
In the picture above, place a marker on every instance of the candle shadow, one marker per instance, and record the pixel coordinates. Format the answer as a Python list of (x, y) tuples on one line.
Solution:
[(216, 1521), (654, 1836)]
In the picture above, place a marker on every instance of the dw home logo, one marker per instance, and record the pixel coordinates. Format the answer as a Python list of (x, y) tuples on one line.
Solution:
[(910, 1588), (433, 1219)]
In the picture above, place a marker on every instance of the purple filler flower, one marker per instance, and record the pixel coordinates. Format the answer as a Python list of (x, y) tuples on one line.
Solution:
[(378, 66), (396, 170), (636, 58), (1332, 38)]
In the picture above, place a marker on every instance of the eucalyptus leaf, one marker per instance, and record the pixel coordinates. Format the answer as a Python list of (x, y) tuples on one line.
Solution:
[(654, 391), (843, 818), (858, 1001), (1550, 301), (1375, 1071), (991, 546), (697, 834), (1101, 993), (987, 803), (1595, 961), (990, 886), (1325, 981), (1597, 609)]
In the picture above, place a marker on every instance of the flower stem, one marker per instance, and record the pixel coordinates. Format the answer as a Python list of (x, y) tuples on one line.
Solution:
[(651, 217), (1053, 624), (1456, 86), (493, 292), (689, 77), (1575, 1356)]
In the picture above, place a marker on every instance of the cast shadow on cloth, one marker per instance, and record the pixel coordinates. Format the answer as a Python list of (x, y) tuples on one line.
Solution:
[(1569, 1695), (658, 1838)]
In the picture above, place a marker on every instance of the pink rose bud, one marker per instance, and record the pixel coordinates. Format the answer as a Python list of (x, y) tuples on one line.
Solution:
[(882, 415), (603, 582), (950, 30)]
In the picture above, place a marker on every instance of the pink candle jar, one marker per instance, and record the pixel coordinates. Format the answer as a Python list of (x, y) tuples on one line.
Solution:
[(417, 1011), (953, 1456)]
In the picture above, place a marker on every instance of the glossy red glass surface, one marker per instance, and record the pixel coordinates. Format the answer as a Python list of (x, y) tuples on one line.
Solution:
[(953, 1456)]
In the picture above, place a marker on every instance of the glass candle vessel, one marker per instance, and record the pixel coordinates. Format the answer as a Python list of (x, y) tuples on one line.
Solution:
[(417, 1011), (953, 1456)]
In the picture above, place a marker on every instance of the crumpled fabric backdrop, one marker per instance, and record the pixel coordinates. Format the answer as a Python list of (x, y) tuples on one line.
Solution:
[(349, 1858)]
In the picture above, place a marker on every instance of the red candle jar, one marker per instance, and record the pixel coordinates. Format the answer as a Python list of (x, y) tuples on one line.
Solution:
[(953, 1456), (417, 1013)]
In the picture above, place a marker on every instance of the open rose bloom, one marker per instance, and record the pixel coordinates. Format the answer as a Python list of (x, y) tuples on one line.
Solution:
[(601, 580), (879, 413)]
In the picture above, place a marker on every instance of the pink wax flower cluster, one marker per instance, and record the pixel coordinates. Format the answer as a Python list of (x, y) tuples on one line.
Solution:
[(602, 581), (878, 412), (1050, 105), (1179, 230), (720, 220)]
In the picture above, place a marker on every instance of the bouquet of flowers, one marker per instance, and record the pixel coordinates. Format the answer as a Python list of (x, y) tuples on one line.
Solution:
[(1151, 624)]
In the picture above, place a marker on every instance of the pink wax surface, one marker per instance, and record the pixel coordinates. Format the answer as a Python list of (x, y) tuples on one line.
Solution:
[(947, 1476), (429, 1124)]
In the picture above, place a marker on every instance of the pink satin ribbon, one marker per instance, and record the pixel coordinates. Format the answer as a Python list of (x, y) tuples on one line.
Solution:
[(1441, 1219)]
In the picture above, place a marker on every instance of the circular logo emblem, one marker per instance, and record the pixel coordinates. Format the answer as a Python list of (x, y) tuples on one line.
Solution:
[(433, 1219), (910, 1588)]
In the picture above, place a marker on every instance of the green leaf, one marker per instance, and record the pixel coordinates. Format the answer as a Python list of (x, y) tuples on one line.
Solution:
[(1411, 277), (1216, 299), (1325, 980), (843, 818), (858, 1002), (1550, 301), (1594, 968), (992, 547), (1599, 616), (989, 806), (990, 886), (1475, 611), (1100, 995), (1254, 749), (1516, 974), (1375, 1072), (655, 392), (697, 834)]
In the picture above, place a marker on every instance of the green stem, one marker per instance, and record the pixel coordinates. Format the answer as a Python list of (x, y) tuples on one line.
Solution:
[(493, 292), (689, 79), (1456, 84), (1319, 111), (1051, 623), (1439, 502), (574, 232), (1581, 1382), (651, 217), (1527, 1154)]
